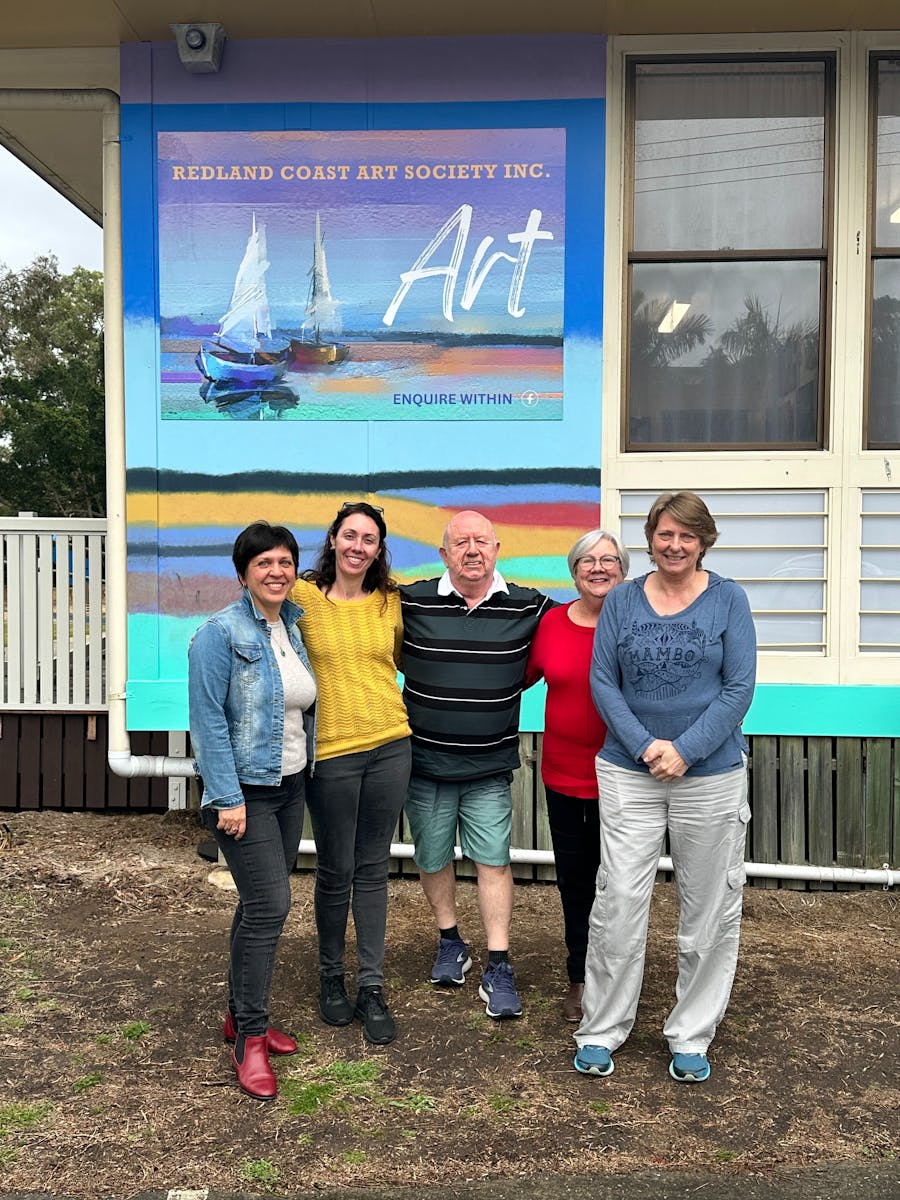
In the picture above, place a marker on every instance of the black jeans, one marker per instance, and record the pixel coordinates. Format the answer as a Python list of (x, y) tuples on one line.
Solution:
[(575, 833), (355, 802), (260, 864)]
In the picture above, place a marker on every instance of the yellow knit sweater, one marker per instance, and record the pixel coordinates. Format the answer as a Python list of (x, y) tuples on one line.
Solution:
[(353, 646)]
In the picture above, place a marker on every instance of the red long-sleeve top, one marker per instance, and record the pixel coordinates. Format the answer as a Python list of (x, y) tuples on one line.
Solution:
[(573, 730)]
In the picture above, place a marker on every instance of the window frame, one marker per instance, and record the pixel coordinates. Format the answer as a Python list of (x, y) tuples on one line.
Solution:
[(824, 255), (845, 467)]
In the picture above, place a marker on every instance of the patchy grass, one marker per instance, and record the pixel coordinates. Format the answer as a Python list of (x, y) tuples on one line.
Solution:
[(113, 950), (135, 1030), (20, 1118), (87, 1081), (261, 1171)]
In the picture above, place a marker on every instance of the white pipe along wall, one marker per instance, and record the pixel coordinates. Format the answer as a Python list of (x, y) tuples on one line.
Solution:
[(121, 761)]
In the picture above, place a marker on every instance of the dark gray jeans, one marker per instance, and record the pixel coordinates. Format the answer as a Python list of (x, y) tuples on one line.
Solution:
[(260, 864), (354, 802)]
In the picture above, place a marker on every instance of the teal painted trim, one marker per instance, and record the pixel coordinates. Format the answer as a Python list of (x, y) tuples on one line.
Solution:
[(806, 711), (157, 704), (777, 709), (787, 709), (531, 717)]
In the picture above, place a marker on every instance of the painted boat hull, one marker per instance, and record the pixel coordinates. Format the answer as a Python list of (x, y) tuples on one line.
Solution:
[(316, 354), (236, 371)]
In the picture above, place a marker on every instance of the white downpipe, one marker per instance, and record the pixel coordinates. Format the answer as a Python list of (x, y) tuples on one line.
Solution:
[(121, 760), (544, 858)]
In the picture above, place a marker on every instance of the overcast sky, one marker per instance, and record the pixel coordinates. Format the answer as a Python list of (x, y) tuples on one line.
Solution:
[(35, 220)]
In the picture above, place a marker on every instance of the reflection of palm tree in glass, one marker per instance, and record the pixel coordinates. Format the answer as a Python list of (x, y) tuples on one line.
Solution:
[(755, 335), (757, 384), (767, 371), (649, 347)]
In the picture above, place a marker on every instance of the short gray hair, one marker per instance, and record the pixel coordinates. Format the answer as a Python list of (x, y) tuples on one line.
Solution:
[(589, 540)]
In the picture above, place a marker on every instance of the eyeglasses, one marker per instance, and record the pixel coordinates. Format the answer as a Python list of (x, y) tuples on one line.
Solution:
[(608, 562), (359, 504)]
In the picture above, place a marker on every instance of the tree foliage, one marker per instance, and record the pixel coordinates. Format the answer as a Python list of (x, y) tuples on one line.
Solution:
[(52, 454)]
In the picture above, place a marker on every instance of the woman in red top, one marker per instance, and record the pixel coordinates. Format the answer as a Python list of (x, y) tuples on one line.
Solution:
[(573, 733)]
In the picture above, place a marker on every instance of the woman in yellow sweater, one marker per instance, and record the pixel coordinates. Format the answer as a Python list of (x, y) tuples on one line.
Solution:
[(352, 630)]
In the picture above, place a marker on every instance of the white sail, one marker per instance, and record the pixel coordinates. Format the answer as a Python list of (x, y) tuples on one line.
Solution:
[(322, 319), (248, 313)]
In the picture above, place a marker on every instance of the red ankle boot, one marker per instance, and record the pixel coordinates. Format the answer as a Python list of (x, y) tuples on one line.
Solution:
[(255, 1076), (276, 1041)]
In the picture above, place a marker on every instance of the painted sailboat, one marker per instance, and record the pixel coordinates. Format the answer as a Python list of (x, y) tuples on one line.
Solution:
[(243, 351), (318, 344)]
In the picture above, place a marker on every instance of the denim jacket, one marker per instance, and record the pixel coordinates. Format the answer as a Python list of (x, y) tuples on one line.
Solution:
[(236, 700)]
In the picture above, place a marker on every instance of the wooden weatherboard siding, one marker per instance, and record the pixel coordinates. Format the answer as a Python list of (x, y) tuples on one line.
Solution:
[(819, 800), (58, 761)]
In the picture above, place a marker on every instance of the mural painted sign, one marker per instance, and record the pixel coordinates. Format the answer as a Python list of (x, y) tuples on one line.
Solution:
[(362, 275)]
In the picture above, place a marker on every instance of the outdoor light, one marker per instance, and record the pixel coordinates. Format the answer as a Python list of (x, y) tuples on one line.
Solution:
[(200, 45)]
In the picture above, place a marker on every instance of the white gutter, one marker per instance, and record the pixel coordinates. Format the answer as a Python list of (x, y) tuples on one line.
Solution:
[(106, 102), (544, 858)]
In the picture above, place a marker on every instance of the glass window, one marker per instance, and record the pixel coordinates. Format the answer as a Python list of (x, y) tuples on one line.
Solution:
[(879, 567), (729, 254), (883, 425)]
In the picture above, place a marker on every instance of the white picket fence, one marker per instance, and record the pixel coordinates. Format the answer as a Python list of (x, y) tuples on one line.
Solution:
[(54, 613)]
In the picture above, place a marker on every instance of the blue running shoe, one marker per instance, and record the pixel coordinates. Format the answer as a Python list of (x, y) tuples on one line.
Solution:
[(451, 963), (594, 1060), (498, 990), (689, 1068)]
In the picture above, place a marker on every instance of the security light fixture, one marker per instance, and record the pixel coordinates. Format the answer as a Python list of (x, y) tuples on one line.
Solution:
[(200, 45)]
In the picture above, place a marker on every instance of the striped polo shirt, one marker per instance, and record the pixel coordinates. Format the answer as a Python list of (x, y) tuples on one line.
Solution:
[(463, 673)]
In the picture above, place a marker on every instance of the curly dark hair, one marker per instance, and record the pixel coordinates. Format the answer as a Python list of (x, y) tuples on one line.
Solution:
[(378, 577)]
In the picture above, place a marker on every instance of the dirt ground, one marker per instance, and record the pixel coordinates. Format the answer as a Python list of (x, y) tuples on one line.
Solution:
[(114, 1078)]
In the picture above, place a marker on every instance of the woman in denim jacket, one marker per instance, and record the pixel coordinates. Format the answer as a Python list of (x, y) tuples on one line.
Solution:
[(252, 705)]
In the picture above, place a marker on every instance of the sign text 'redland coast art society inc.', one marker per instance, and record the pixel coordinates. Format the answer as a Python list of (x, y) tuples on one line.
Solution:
[(298, 283)]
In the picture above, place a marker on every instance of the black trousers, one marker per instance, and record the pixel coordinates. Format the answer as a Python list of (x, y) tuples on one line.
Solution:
[(260, 864), (575, 833)]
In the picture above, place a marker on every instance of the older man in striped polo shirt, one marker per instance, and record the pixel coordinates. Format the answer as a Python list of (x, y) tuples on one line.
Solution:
[(465, 645)]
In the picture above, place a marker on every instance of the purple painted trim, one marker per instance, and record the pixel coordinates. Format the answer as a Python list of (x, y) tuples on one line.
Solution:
[(373, 71)]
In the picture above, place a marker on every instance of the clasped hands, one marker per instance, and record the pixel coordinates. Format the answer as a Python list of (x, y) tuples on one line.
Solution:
[(664, 761)]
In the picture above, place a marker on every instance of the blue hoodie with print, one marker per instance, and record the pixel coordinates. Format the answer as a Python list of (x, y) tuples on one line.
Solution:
[(687, 678)]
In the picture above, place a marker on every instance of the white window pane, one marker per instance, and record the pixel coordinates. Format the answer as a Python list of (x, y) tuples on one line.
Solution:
[(879, 634), (729, 155), (879, 590), (881, 502), (879, 595), (887, 155)]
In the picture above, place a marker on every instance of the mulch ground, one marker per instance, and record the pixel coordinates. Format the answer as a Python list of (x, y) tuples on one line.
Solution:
[(114, 1078)]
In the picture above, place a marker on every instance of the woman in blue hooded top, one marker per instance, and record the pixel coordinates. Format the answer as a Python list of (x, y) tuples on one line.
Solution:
[(672, 675)]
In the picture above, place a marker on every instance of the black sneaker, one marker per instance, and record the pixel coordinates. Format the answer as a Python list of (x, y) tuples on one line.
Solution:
[(334, 1006), (371, 1009)]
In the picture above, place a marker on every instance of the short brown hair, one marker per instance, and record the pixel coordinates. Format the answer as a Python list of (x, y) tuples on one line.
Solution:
[(688, 510)]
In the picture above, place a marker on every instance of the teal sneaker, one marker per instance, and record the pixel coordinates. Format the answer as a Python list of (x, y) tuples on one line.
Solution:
[(594, 1060), (689, 1068)]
